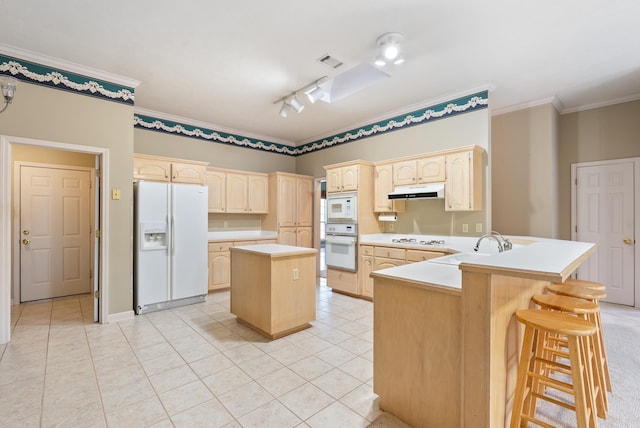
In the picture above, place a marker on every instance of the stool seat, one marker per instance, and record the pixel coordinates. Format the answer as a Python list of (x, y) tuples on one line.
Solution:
[(566, 304), (583, 283), (576, 291), (556, 322)]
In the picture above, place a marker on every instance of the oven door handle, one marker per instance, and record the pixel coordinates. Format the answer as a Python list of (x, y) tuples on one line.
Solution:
[(338, 239)]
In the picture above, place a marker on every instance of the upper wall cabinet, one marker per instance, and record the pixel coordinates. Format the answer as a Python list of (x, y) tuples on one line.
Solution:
[(247, 193), (342, 179), (156, 168), (383, 185), (423, 170), (463, 184), (217, 186)]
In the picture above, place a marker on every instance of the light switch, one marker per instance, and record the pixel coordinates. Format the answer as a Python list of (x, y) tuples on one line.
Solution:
[(115, 194), (478, 227), (465, 228)]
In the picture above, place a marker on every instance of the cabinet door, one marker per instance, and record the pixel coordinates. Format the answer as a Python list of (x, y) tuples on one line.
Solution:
[(187, 173), (287, 201), (305, 201), (288, 236), (334, 180), (236, 193), (422, 255), (431, 169), (383, 185), (151, 169), (404, 173), (366, 282), (458, 184), (219, 270), (304, 237), (384, 263), (216, 185), (349, 178), (258, 194)]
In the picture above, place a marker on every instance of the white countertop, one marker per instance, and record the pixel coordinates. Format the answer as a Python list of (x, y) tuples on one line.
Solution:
[(275, 250), (242, 235), (531, 257)]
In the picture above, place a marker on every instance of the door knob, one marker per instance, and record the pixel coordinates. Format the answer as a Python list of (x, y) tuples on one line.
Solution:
[(26, 241), (628, 241)]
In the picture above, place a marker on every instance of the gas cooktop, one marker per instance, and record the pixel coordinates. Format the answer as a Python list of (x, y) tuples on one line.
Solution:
[(415, 241)]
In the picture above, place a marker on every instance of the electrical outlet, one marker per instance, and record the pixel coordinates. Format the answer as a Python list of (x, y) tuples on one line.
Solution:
[(478, 227), (225, 224), (465, 228), (390, 227), (296, 274), (115, 194)]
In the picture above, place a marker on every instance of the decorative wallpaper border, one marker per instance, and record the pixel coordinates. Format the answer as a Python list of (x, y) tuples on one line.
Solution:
[(443, 110), (65, 80), (169, 127)]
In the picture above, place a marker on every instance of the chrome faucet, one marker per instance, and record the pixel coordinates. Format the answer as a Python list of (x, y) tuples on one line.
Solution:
[(477, 247), (503, 243)]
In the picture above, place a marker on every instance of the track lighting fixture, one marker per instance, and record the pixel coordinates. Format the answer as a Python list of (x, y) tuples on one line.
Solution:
[(8, 85), (389, 49), (313, 91)]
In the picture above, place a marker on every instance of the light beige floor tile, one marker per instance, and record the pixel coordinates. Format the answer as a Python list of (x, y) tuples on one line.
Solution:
[(210, 414), (260, 366), (116, 397), (20, 400), (360, 368), (306, 400), (140, 414), (194, 348), (226, 380), (108, 362), (163, 363), (337, 415), (364, 402), (75, 404), (245, 399), (281, 381), (313, 344), (289, 354), (244, 352), (335, 355), (166, 423), (210, 365), (272, 414), (311, 367), (354, 329), (14, 368), (333, 335), (153, 351), (185, 397), (356, 345), (386, 420), (82, 416), (172, 378), (336, 383)]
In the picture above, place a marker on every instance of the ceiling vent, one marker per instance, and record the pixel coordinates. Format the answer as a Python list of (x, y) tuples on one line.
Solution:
[(330, 61)]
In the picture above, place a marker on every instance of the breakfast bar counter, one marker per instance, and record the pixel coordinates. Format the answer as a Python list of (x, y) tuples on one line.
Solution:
[(273, 287), (446, 342)]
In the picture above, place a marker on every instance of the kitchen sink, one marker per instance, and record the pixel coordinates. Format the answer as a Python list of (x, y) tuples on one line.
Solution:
[(456, 259)]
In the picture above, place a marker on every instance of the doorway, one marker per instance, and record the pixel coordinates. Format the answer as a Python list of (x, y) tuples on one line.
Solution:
[(7, 240), (605, 209), (320, 192)]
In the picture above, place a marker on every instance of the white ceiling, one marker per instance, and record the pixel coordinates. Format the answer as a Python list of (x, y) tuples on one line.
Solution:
[(224, 63)]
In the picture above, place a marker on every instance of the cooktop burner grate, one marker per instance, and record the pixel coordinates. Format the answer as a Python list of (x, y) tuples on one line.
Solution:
[(415, 241)]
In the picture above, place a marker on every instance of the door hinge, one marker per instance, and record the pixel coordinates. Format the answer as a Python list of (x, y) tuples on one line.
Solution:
[(96, 294), (98, 173), (98, 233), (90, 273)]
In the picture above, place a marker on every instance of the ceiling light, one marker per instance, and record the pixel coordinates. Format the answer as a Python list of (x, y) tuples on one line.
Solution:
[(290, 101), (284, 110), (315, 94), (297, 105), (389, 49), (8, 85)]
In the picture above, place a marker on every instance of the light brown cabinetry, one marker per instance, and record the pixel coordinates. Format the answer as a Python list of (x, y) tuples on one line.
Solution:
[(157, 168), (422, 255), (290, 208), (220, 261), (365, 268), (463, 185), (423, 170), (247, 193), (341, 280), (217, 187), (342, 179), (383, 185)]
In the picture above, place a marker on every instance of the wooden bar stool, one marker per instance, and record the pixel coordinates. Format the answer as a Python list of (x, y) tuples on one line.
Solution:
[(592, 296), (583, 283), (587, 310), (533, 379)]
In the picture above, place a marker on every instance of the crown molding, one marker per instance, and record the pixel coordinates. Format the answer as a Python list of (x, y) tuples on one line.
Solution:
[(72, 67), (629, 98), (530, 104), (207, 125)]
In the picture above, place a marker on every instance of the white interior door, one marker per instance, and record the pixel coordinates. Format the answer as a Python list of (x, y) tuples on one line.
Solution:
[(605, 215), (55, 232)]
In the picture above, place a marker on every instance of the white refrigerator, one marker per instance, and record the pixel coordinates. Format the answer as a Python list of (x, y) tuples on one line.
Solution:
[(170, 257)]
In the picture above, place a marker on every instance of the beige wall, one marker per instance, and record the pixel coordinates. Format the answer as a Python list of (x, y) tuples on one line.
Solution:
[(524, 172), (43, 113), (217, 154), (604, 133), (424, 216)]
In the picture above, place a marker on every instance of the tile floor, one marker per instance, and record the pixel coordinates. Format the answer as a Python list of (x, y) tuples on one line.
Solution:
[(188, 367)]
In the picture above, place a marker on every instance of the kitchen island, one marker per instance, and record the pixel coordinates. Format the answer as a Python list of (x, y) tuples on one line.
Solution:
[(273, 287), (446, 342)]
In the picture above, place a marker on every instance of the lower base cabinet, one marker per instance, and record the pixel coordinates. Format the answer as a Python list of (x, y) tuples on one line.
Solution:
[(220, 262), (344, 281), (366, 283)]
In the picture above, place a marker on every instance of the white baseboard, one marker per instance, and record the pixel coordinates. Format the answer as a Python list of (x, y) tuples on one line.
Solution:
[(120, 316)]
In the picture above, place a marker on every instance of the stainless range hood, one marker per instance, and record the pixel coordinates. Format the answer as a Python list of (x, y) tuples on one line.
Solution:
[(426, 191)]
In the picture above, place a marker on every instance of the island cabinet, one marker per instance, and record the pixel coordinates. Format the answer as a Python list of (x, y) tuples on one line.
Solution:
[(169, 170), (290, 208), (220, 261), (383, 185), (247, 193), (277, 295), (463, 184)]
